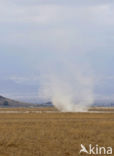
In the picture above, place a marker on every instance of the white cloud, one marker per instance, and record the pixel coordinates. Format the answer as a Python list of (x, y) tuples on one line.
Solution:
[(25, 79), (55, 25), (45, 31)]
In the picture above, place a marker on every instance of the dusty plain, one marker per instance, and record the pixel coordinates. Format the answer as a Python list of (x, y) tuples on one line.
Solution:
[(47, 132)]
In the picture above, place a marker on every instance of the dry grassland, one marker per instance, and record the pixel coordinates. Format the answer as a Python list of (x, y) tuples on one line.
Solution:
[(53, 134)]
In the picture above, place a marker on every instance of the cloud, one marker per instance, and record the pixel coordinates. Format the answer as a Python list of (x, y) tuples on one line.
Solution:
[(59, 2), (51, 12), (44, 33), (54, 25), (24, 79)]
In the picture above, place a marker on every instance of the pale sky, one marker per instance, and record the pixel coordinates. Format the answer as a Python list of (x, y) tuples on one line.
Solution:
[(36, 34)]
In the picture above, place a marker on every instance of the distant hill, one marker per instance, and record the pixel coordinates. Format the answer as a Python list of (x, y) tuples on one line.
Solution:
[(6, 102)]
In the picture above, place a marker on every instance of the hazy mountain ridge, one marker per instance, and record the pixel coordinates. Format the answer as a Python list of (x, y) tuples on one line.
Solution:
[(6, 102)]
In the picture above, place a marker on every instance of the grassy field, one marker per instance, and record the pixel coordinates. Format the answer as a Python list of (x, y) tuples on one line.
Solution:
[(53, 134)]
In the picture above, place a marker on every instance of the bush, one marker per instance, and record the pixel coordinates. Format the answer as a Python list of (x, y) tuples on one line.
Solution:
[(5, 103)]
